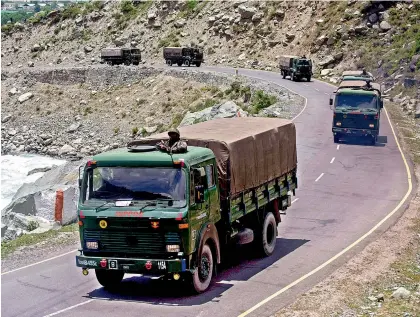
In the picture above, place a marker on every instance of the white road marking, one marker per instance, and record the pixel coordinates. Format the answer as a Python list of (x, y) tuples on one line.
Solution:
[(326, 93), (332, 160), (305, 84), (24, 267), (69, 308), (338, 147), (295, 200), (319, 177), (316, 89)]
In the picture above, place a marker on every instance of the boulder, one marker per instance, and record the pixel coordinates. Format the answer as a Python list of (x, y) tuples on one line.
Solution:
[(290, 37), (321, 40), (120, 41), (66, 149), (385, 26), (373, 18), (327, 61), (180, 23), (401, 293), (88, 49), (151, 15), (326, 72), (36, 48), (257, 17), (6, 118), (25, 97), (13, 91), (74, 127), (279, 13), (31, 64), (246, 12)]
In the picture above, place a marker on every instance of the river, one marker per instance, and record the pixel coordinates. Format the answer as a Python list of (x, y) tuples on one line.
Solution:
[(14, 173)]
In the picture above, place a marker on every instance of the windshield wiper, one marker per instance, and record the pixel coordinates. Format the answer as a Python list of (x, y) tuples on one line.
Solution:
[(104, 204)]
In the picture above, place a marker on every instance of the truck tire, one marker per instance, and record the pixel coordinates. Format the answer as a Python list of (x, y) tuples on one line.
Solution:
[(169, 62), (292, 77), (127, 63), (187, 63), (109, 279), (198, 64), (267, 235), (203, 274), (284, 75), (373, 140), (309, 78)]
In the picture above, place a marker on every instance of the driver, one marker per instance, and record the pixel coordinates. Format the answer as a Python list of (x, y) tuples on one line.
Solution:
[(174, 144)]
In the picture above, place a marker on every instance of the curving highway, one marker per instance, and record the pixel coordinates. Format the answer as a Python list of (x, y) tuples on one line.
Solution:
[(344, 191)]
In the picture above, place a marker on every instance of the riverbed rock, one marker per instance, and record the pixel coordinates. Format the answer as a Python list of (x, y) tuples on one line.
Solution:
[(246, 12)]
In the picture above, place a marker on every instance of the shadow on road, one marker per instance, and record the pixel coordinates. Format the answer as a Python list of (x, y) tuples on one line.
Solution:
[(381, 142), (171, 293)]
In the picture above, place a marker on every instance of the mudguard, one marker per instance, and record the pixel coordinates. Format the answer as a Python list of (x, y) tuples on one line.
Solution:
[(208, 231)]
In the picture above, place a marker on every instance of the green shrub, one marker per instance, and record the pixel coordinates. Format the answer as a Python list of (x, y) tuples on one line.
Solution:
[(134, 131), (169, 40), (72, 11), (260, 100)]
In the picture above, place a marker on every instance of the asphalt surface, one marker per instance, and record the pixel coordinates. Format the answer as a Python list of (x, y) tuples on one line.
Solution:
[(343, 192)]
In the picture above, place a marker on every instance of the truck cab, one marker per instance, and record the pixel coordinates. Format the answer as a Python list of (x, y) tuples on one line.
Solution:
[(356, 109), (296, 67)]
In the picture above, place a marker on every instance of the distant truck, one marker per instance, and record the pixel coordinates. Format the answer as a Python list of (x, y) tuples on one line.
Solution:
[(296, 67), (357, 109), (143, 211), (183, 56), (116, 56)]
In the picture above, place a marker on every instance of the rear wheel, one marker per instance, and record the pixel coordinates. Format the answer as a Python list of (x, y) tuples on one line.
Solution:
[(203, 274), (198, 64), (187, 63), (267, 235), (169, 62), (109, 279), (373, 140)]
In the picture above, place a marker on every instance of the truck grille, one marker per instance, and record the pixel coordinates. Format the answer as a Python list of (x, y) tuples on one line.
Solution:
[(140, 243)]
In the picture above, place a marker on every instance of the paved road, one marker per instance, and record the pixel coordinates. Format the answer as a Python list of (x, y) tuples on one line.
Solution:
[(344, 191)]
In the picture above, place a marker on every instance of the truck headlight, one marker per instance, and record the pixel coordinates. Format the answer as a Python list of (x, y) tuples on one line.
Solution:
[(172, 248), (93, 245), (338, 124), (371, 125)]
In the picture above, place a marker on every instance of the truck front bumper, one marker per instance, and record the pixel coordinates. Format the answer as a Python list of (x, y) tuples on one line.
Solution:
[(131, 265), (355, 132)]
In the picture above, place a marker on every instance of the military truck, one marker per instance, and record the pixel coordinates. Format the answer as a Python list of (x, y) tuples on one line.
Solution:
[(183, 56), (116, 56), (357, 109), (176, 216), (296, 67)]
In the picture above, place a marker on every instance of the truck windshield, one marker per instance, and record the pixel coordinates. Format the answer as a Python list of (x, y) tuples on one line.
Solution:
[(356, 101), (303, 62), (137, 183)]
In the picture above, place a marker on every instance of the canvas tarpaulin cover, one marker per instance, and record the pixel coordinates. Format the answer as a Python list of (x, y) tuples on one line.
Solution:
[(249, 151)]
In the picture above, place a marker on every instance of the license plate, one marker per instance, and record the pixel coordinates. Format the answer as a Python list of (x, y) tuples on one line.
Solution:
[(161, 265), (113, 265)]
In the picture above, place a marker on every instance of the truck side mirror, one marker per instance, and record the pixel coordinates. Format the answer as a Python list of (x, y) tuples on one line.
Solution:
[(81, 171), (199, 194), (331, 102)]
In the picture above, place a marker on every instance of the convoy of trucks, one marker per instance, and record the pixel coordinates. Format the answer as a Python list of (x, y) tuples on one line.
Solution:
[(183, 56), (296, 67), (357, 106), (175, 216), (116, 56)]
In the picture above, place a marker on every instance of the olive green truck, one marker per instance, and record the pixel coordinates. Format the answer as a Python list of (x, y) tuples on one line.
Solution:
[(175, 216)]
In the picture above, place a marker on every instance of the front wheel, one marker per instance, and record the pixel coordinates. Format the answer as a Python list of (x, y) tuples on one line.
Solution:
[(309, 78), (267, 235), (109, 279), (198, 64), (204, 272), (284, 75)]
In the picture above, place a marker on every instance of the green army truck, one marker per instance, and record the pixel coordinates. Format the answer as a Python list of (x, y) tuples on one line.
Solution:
[(175, 216), (117, 56), (296, 67), (357, 109), (183, 56)]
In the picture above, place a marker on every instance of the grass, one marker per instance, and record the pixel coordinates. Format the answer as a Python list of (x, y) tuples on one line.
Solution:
[(176, 120), (134, 130), (8, 247), (192, 8), (72, 11), (169, 40)]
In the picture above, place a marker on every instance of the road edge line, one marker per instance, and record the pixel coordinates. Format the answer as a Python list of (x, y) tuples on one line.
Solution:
[(69, 308), (33, 264), (355, 243)]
